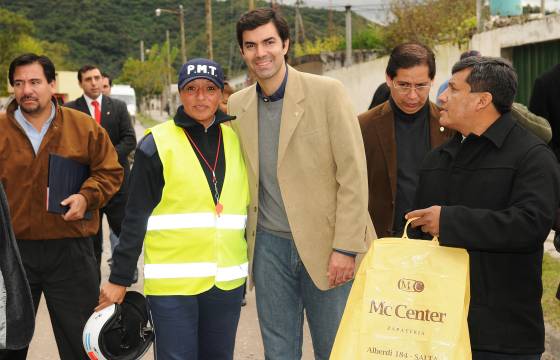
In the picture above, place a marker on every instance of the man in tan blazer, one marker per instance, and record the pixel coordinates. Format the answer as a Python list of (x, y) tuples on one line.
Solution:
[(398, 133), (308, 216)]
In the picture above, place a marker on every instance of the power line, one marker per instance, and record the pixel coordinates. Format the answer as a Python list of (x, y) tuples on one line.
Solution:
[(379, 7)]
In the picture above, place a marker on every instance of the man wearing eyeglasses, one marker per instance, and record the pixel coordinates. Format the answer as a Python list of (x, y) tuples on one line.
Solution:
[(398, 134)]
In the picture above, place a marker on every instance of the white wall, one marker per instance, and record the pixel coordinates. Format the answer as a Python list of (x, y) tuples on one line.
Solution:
[(67, 83), (362, 79), (491, 43)]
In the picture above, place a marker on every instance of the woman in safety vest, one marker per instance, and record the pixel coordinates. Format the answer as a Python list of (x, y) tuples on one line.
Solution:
[(190, 214)]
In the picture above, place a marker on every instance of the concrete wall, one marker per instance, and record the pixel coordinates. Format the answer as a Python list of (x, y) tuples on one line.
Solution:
[(362, 79), (67, 84), (496, 42)]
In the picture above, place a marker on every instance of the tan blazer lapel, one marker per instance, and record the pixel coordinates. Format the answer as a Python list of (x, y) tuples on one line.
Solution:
[(386, 133), (292, 111), (250, 127)]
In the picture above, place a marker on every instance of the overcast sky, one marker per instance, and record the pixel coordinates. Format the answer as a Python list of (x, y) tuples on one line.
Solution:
[(376, 10)]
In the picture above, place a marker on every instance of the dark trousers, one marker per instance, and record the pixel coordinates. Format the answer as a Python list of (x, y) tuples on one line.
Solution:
[(114, 210), (196, 327), (64, 271), (485, 355)]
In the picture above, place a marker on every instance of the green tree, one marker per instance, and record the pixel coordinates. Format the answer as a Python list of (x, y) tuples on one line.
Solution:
[(431, 22), (369, 38), (150, 78), (108, 32), (16, 38), (329, 44)]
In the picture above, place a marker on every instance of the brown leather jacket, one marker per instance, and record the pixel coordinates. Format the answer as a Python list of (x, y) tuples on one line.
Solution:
[(378, 132), (24, 175)]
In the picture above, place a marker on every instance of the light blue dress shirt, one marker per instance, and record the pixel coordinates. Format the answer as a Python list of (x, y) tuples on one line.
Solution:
[(35, 137)]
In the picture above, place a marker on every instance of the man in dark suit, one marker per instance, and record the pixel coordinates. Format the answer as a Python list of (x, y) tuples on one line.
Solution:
[(113, 116), (398, 133), (544, 102), (106, 84)]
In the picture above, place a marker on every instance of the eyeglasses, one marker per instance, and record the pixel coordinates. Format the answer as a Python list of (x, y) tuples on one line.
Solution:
[(406, 88)]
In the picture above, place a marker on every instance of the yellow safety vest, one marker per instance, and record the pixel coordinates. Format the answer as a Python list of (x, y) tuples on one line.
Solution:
[(188, 248)]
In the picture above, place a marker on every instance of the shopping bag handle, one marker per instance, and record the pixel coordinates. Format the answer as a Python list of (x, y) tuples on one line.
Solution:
[(405, 232)]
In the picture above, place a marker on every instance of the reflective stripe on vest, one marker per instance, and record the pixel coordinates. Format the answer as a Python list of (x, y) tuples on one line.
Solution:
[(195, 270), (200, 220), (188, 248)]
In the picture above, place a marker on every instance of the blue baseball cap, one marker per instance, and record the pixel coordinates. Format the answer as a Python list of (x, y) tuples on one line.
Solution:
[(201, 69)]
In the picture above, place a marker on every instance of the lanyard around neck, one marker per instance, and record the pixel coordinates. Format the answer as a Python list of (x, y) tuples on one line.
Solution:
[(212, 168)]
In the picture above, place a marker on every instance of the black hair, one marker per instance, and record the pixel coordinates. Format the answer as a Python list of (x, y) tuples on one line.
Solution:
[(105, 75), (28, 59), (259, 17), (470, 53), (491, 74), (85, 69), (407, 55)]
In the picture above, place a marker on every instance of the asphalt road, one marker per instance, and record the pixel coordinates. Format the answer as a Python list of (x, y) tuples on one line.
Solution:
[(248, 343)]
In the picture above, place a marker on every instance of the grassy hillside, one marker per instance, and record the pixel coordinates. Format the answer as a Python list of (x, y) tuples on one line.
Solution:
[(106, 32)]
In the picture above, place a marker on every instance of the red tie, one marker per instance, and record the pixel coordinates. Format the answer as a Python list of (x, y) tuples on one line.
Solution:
[(97, 111)]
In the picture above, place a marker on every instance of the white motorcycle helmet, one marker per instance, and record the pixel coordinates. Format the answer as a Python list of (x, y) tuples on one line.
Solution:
[(120, 331)]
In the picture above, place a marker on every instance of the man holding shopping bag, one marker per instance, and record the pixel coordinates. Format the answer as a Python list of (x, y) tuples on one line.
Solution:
[(493, 190)]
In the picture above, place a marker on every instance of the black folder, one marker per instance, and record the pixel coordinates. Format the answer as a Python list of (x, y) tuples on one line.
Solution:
[(66, 177)]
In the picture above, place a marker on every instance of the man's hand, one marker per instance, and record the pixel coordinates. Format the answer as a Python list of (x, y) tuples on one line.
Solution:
[(110, 294), (428, 219), (78, 207), (341, 268)]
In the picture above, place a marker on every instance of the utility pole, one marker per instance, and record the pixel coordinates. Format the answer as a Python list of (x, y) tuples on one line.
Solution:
[(141, 50), (479, 25), (250, 75), (208, 9), (182, 26), (299, 30), (348, 60), (168, 49), (181, 14), (296, 23), (331, 24), (167, 91), (542, 7)]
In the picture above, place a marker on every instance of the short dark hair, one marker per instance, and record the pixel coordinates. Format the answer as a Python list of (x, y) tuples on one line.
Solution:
[(407, 55), (228, 89), (28, 59), (470, 53), (85, 69), (259, 17), (491, 74), (105, 75)]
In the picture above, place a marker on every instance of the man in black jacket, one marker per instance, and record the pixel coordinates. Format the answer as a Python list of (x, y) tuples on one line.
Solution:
[(16, 304), (544, 102), (113, 116), (492, 189)]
